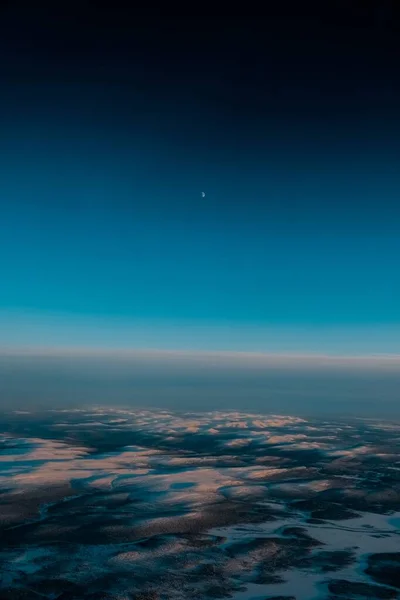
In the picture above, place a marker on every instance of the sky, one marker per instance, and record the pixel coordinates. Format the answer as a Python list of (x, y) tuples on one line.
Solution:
[(112, 126)]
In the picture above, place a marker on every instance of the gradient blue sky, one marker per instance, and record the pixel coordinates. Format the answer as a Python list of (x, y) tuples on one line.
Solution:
[(103, 228)]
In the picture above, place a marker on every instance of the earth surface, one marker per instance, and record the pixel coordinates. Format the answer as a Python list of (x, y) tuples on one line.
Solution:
[(126, 504)]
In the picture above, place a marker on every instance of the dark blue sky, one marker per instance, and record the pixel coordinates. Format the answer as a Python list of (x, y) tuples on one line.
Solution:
[(113, 125)]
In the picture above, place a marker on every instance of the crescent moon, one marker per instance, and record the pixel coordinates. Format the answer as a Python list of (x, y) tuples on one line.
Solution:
[(203, 194)]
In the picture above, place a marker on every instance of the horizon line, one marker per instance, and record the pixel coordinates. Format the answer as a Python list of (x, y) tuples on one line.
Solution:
[(62, 350)]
